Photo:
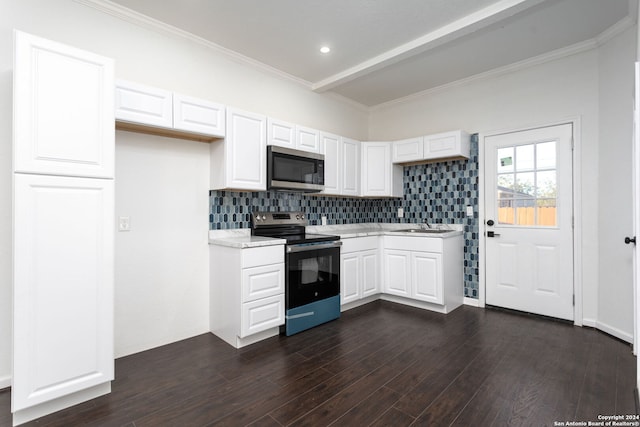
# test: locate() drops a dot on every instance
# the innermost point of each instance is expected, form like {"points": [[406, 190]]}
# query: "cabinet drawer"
{"points": [[410, 243], [262, 314], [198, 116], [254, 257], [357, 244], [261, 282], [142, 104]]}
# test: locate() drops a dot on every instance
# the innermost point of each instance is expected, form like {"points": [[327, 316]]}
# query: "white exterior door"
{"points": [[529, 213], [63, 292]]}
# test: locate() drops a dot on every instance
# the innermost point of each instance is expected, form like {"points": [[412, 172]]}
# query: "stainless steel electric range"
{"points": [[312, 266]]}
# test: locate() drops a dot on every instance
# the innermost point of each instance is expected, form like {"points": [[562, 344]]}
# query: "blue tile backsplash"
{"points": [[438, 192]]}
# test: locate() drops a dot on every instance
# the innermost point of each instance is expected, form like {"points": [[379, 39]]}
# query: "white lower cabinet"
{"points": [[63, 292], [424, 269], [247, 293], [359, 269]]}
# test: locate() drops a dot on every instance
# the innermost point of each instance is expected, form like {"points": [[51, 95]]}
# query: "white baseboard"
{"points": [[591, 323], [474, 302], [5, 382], [624, 336]]}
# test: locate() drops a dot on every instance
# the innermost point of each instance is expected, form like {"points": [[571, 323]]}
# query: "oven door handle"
{"points": [[312, 247]]}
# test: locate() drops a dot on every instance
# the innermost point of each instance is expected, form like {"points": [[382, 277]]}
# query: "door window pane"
{"points": [[546, 155], [505, 159], [527, 185], [525, 157]]}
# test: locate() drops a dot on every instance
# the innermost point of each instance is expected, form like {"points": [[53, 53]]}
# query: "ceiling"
{"points": [[382, 50]]}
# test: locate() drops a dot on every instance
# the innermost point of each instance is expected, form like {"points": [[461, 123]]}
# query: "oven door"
{"points": [[313, 273]]}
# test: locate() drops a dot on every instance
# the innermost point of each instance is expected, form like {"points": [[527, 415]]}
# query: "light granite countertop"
{"points": [[241, 238], [347, 231]]}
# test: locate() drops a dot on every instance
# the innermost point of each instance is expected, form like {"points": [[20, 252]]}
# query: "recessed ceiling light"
{"points": [[325, 49]]}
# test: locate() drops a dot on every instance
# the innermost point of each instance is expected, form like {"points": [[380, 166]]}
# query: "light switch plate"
{"points": [[324, 220], [469, 210], [400, 213], [124, 223]]}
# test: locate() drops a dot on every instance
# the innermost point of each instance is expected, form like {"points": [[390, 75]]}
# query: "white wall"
{"points": [[616, 85], [162, 264], [540, 94], [161, 286]]}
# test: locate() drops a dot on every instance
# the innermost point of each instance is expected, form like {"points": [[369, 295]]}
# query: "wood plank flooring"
{"points": [[382, 364]]}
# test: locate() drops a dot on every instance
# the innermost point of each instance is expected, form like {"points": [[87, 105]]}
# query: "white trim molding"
{"points": [[473, 302], [615, 332], [149, 23]]}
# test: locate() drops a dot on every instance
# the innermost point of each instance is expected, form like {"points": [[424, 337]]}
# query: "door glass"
{"points": [[527, 186]]}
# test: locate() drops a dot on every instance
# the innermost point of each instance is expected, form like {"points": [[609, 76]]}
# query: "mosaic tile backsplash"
{"points": [[438, 192]]}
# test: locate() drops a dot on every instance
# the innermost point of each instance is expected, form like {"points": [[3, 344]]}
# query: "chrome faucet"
{"points": [[423, 224]]}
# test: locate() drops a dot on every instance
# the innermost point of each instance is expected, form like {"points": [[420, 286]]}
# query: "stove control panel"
{"points": [[278, 218]]}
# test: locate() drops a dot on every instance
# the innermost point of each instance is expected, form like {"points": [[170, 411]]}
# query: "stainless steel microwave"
{"points": [[294, 170]]}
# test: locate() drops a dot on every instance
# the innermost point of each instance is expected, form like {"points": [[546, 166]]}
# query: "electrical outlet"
{"points": [[400, 213], [469, 210], [124, 223], [324, 220]]}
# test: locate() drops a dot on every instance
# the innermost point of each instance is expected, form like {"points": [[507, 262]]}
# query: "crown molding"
{"points": [[507, 69], [147, 22], [614, 30]]}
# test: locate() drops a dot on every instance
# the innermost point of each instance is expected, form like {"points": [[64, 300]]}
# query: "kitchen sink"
{"points": [[425, 231]]}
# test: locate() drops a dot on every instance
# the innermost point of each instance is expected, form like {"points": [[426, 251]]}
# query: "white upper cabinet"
{"points": [[289, 135], [332, 149], [308, 139], [281, 133], [141, 104], [63, 109], [350, 164], [447, 145], [408, 150], [441, 146], [198, 116], [380, 178], [239, 162], [139, 107], [341, 165]]}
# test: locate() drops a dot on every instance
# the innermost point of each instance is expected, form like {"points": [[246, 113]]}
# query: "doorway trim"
{"points": [[575, 121]]}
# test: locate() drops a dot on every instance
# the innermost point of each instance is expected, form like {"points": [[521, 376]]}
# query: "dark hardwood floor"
{"points": [[382, 364]]}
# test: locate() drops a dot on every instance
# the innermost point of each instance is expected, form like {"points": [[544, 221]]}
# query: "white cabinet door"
{"points": [[307, 139], [281, 133], [350, 277], [331, 145], [426, 275], [261, 282], [245, 151], [198, 116], [408, 150], [454, 144], [350, 167], [262, 314], [370, 273], [380, 177], [141, 104], [397, 272], [63, 109], [63, 287]]}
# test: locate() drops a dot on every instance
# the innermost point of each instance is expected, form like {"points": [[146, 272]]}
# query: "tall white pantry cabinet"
{"points": [[63, 202]]}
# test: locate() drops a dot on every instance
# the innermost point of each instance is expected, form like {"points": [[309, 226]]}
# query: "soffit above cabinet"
{"points": [[383, 50]]}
